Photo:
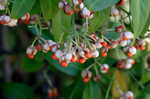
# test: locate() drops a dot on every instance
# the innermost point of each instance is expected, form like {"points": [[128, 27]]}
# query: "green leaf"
{"points": [[32, 65], [120, 83], [17, 91], [72, 70], [61, 26], [92, 91], [146, 25], [49, 8], [99, 19], [77, 90], [145, 76], [36, 9], [117, 54], [112, 35], [98, 5], [20, 7], [145, 93], [140, 12]]}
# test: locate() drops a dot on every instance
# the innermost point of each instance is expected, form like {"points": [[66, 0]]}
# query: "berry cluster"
{"points": [[127, 95], [88, 47], [76, 7], [125, 63], [87, 75], [7, 20]]}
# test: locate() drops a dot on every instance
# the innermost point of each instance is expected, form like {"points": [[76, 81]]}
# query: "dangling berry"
{"points": [[98, 45], [55, 92], [68, 10], [50, 93], [38, 47], [45, 47], [74, 59], [114, 44], [88, 54], [82, 53], [130, 61], [124, 43], [4, 19], [129, 95], [94, 37], [51, 43], [127, 35], [86, 76], [115, 12], [82, 60], [59, 54], [53, 48], [140, 45], [31, 52], [75, 2], [61, 5], [96, 78], [54, 57], [85, 13], [64, 63], [81, 6], [104, 52], [104, 68], [131, 51], [128, 66], [121, 64], [95, 53], [104, 44], [25, 19], [68, 56], [12, 23]]}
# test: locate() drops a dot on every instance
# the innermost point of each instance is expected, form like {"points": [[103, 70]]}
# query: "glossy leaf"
{"points": [[145, 77], [17, 91], [99, 19], [49, 8], [61, 26], [20, 7], [98, 5], [77, 90], [36, 9], [32, 65], [140, 13], [112, 35], [117, 54], [92, 91]]}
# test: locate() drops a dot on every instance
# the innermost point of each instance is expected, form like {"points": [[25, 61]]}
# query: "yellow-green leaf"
{"points": [[120, 84]]}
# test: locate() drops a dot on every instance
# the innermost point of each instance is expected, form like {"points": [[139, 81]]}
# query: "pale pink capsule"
{"points": [[104, 68]]}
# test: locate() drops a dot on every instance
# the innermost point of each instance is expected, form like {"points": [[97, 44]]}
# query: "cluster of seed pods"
{"points": [[87, 75], [80, 52], [76, 7], [8, 21], [125, 63], [74, 52]]}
